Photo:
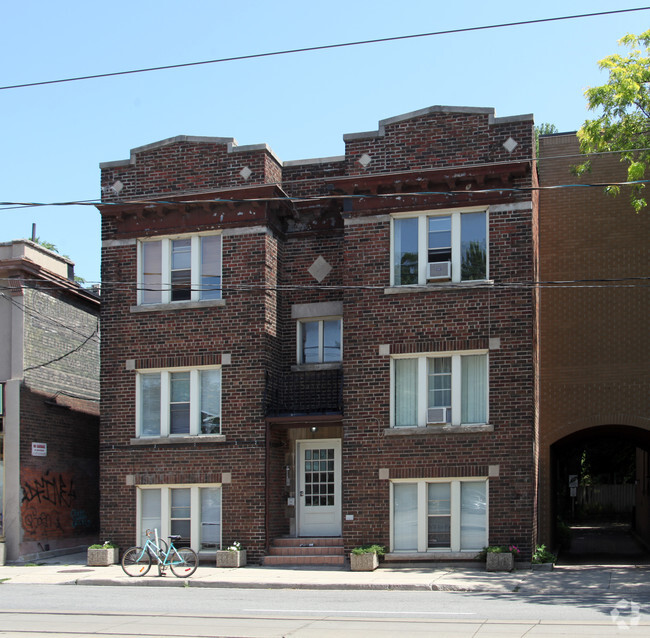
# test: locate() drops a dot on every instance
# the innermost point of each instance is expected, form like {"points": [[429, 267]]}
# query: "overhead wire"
{"points": [[323, 47]]}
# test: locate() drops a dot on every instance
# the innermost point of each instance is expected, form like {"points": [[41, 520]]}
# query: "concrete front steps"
{"points": [[305, 551]]}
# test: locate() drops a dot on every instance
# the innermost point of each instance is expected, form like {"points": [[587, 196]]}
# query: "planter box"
{"points": [[226, 558], [364, 562], [542, 567], [103, 557], [499, 562]]}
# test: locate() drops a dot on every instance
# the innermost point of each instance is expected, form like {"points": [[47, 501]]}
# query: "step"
{"points": [[306, 551], [323, 541], [303, 560]]}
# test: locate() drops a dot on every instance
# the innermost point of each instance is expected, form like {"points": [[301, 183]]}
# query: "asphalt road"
{"points": [[55, 611]]}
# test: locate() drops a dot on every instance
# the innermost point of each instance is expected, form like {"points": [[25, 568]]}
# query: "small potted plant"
{"points": [[103, 555], [366, 558], [232, 556], [543, 559], [499, 558]]}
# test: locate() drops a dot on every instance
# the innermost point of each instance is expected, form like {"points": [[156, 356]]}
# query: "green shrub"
{"points": [[542, 555], [380, 550], [105, 545]]}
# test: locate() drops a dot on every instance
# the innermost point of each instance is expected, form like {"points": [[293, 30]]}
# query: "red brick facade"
{"points": [[438, 159]]}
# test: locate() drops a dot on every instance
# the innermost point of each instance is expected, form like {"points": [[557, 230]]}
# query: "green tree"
{"points": [[543, 129], [624, 121]]}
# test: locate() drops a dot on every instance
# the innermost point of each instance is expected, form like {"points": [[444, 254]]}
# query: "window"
{"points": [[193, 512], [179, 269], [319, 341], [173, 402], [440, 389], [429, 516], [428, 247]]}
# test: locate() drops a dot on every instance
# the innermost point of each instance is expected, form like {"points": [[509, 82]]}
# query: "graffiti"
{"points": [[80, 519], [35, 523], [56, 490]]}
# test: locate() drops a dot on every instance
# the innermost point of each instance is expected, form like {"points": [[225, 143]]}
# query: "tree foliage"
{"points": [[624, 121]]}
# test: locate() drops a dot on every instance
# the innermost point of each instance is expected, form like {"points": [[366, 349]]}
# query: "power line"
{"points": [[323, 47], [63, 356], [315, 198]]}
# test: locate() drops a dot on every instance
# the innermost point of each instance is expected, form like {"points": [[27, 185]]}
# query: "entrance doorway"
{"points": [[318, 486]]}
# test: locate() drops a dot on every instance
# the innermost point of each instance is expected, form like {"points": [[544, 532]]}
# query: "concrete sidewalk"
{"points": [[620, 580]]}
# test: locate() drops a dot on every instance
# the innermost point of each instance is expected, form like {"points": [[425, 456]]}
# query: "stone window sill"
{"points": [[176, 439], [313, 367], [432, 430], [178, 305], [446, 285]]}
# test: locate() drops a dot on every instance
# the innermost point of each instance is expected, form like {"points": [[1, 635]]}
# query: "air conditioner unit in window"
{"points": [[439, 270], [436, 415]]}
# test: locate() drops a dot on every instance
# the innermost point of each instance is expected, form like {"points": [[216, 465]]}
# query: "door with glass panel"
{"points": [[319, 487]]}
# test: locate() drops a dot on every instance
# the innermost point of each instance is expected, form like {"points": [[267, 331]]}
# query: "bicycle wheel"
{"points": [[184, 562], [136, 562]]}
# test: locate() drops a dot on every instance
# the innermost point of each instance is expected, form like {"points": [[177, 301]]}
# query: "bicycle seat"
{"points": [[175, 537]]}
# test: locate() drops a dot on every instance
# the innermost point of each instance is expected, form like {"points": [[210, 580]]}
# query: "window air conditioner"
{"points": [[439, 270], [436, 415]]}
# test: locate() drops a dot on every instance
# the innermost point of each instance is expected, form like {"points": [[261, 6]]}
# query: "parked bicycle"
{"points": [[182, 561]]}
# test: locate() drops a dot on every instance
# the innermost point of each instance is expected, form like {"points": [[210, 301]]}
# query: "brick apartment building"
{"points": [[49, 422], [594, 375], [332, 351]]}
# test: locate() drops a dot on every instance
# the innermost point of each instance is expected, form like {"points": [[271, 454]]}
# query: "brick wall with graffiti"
{"points": [[59, 477]]}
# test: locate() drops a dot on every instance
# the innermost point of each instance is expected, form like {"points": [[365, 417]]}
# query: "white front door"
{"points": [[319, 487]]}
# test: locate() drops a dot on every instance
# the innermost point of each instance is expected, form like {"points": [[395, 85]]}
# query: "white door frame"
{"points": [[323, 520]]}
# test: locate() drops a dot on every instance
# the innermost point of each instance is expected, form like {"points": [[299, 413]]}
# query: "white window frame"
{"points": [[165, 513], [166, 257], [165, 402], [423, 237], [422, 390], [320, 321], [455, 516]]}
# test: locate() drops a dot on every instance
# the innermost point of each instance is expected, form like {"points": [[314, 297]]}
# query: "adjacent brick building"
{"points": [[594, 376], [49, 425], [335, 348]]}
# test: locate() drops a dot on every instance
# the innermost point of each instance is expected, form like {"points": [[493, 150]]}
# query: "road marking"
{"points": [[360, 611]]}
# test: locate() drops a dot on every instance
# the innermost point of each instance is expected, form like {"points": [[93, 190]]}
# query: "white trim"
{"points": [[165, 511], [455, 514], [422, 387], [455, 215], [165, 398]]}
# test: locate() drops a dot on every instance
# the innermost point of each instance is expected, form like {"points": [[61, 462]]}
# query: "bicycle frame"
{"points": [[183, 561]]}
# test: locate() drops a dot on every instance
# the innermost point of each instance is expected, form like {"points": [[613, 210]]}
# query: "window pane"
{"points": [[180, 270], [406, 392], [473, 520], [151, 272], [405, 251], [439, 532], [405, 516], [150, 512], [1, 480], [310, 351], [439, 382], [332, 340], [210, 401], [439, 239], [180, 515], [210, 518], [473, 246], [179, 408], [474, 389], [211, 267], [439, 498], [150, 404]]}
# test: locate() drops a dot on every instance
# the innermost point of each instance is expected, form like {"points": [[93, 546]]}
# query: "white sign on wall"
{"points": [[39, 449]]}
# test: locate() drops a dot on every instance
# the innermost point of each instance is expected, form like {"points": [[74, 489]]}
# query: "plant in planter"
{"points": [[542, 558], [232, 556], [366, 557], [498, 558], [103, 555]]}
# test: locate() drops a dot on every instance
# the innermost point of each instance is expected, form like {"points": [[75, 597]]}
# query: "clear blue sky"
{"points": [[54, 137]]}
